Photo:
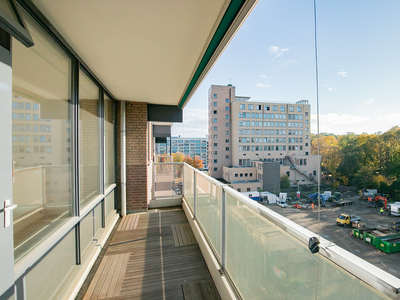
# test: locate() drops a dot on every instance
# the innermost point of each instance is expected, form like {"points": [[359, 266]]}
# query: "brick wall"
{"points": [[136, 156]]}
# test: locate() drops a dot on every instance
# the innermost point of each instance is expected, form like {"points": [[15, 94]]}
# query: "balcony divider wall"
{"points": [[64, 135]]}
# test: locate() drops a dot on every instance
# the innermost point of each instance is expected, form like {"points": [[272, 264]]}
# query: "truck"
{"points": [[335, 196], [364, 194], [345, 220], [341, 202], [394, 209]]}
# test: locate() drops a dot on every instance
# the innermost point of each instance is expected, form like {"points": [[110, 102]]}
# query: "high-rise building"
{"points": [[242, 132], [188, 146]]}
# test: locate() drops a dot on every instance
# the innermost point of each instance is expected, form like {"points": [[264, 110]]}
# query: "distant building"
{"points": [[187, 146], [243, 132]]}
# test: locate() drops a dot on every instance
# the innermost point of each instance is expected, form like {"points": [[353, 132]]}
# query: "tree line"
{"points": [[195, 162], [364, 160]]}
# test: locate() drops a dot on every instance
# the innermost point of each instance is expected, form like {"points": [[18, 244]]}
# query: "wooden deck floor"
{"points": [[152, 256]]}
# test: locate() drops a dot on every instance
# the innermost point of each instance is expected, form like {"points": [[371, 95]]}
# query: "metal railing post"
{"points": [[183, 180], [223, 228], [194, 195], [153, 186], [44, 200]]}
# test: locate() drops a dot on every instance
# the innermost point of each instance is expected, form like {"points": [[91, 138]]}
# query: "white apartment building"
{"points": [[188, 146], [242, 132]]}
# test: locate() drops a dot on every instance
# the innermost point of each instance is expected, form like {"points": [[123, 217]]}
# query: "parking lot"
{"points": [[341, 235]]}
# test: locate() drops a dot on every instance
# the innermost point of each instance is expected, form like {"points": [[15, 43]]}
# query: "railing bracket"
{"points": [[221, 272], [313, 243]]}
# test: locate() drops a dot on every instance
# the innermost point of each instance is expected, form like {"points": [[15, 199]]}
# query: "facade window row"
{"points": [[295, 147], [26, 106], [243, 175], [295, 124], [268, 124], [262, 148], [295, 132], [28, 149], [268, 107], [247, 115], [263, 140], [29, 127], [298, 108], [265, 132]]}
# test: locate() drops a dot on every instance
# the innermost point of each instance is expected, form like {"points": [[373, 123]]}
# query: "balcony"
{"points": [[250, 251]]}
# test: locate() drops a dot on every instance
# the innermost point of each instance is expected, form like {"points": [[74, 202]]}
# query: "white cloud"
{"points": [[368, 101], [343, 123], [340, 123], [342, 73], [263, 85], [288, 63], [332, 89], [277, 50], [263, 76], [195, 124], [390, 118]]}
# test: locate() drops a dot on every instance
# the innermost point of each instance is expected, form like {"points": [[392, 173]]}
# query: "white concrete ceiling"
{"points": [[142, 50]]}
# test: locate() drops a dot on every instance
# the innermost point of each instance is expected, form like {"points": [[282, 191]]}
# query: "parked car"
{"points": [[281, 203]]}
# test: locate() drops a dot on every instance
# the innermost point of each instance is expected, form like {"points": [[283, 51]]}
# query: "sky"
{"points": [[272, 58]]}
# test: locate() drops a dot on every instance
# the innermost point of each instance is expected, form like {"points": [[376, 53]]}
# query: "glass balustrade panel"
{"points": [[168, 180], [208, 211], [188, 185]]}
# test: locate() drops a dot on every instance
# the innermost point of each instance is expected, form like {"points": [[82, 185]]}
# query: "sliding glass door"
{"points": [[6, 228]]}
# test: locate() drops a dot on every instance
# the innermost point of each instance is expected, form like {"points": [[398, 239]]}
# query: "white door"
{"points": [[6, 226]]}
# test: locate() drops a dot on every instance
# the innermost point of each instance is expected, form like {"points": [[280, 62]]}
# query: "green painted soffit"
{"points": [[229, 16]]}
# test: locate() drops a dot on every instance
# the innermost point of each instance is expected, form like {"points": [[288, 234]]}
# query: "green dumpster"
{"points": [[356, 232], [381, 245], [395, 246], [389, 244], [369, 238]]}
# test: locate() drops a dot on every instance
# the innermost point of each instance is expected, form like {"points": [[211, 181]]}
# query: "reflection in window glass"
{"points": [[89, 125], [42, 187], [109, 122], [45, 278]]}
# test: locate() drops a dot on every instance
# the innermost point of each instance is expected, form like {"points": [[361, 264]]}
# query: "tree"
{"points": [[195, 163], [198, 163], [285, 182], [178, 156], [329, 151], [350, 164]]}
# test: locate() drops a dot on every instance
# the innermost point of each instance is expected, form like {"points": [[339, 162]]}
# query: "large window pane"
{"points": [[109, 123], [97, 217], [87, 242], [43, 185], [45, 278], [110, 206], [89, 133]]}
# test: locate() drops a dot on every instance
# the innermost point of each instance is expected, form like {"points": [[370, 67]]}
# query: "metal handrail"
{"points": [[366, 272]]}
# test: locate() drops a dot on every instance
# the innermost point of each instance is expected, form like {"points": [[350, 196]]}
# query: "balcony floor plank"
{"points": [[153, 256]]}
